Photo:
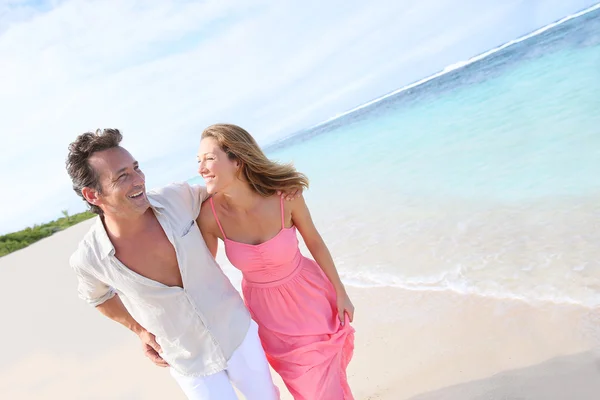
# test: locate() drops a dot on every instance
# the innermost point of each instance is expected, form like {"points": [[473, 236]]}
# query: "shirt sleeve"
{"points": [[90, 288], [182, 196], [199, 194]]}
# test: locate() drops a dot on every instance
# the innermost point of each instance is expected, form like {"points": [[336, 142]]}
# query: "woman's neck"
{"points": [[240, 196]]}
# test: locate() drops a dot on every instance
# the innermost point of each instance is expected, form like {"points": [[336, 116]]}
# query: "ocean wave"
{"points": [[456, 282], [459, 64]]}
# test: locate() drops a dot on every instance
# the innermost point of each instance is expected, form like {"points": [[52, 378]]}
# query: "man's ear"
{"points": [[91, 195]]}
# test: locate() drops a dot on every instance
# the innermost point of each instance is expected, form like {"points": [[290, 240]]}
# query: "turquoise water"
{"points": [[483, 180], [521, 124]]}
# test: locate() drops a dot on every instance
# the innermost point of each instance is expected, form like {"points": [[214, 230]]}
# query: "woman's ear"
{"points": [[239, 167]]}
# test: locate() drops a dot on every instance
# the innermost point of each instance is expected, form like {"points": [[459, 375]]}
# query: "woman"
{"points": [[301, 306]]}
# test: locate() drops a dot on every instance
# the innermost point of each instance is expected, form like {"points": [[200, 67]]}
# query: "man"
{"points": [[145, 265]]}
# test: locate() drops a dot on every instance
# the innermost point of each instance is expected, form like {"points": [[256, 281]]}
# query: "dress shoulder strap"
{"points": [[282, 211], [212, 206]]}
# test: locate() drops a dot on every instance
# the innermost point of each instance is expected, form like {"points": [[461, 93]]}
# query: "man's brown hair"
{"points": [[78, 166]]}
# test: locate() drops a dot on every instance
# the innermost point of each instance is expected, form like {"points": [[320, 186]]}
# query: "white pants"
{"points": [[247, 369]]}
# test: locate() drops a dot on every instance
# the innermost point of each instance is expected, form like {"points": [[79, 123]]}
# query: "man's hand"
{"points": [[114, 309], [152, 349], [291, 194]]}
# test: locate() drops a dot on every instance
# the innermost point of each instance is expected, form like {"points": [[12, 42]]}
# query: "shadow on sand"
{"points": [[574, 377]]}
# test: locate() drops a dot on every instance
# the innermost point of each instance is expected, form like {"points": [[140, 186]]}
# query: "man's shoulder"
{"points": [[173, 189], [172, 196], [87, 253], [178, 196]]}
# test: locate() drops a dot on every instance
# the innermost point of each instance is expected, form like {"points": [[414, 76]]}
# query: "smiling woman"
{"points": [[300, 304], [235, 144]]}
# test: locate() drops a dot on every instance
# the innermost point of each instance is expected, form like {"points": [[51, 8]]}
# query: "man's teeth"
{"points": [[136, 195]]}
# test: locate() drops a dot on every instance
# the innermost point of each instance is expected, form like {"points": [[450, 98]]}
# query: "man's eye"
{"points": [[123, 176]]}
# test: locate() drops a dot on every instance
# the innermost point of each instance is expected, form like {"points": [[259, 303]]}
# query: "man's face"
{"points": [[123, 183]]}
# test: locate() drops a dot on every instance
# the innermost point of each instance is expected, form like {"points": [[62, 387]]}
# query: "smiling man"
{"points": [[145, 265]]}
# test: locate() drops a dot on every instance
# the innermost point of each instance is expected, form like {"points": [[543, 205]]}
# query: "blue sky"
{"points": [[163, 70]]}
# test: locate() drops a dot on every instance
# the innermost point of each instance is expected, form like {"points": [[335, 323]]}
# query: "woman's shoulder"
{"points": [[291, 206], [290, 203], [206, 218]]}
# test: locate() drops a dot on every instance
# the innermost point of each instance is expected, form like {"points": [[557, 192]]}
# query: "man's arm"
{"points": [[104, 298], [199, 195], [114, 309]]}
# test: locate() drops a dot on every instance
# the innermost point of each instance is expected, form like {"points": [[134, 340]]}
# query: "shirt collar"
{"points": [[101, 237]]}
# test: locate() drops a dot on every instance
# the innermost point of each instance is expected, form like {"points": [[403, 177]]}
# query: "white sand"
{"points": [[568, 377], [407, 343]]}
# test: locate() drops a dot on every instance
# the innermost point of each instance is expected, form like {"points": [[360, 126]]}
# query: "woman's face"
{"points": [[215, 167]]}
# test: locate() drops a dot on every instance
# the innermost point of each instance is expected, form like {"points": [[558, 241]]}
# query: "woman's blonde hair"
{"points": [[265, 177]]}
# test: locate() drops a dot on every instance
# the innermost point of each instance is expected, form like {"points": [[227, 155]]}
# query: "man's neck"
{"points": [[119, 227]]}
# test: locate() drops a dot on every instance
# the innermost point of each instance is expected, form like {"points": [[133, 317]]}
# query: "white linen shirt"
{"points": [[197, 327]]}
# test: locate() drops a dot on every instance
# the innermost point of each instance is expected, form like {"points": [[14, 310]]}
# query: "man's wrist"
{"points": [[136, 328]]}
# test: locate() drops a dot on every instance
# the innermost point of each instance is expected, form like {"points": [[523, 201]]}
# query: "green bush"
{"points": [[18, 240]]}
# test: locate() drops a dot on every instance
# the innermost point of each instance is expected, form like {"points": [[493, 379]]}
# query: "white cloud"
{"points": [[163, 70]]}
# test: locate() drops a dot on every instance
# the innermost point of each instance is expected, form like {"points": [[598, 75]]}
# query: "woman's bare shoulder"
{"points": [[206, 219]]}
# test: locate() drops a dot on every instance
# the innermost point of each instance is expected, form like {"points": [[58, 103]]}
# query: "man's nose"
{"points": [[139, 179]]}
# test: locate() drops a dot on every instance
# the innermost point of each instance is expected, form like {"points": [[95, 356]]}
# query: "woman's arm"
{"points": [[317, 247], [207, 224]]}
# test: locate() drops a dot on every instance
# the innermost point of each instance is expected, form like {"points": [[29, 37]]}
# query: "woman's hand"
{"points": [[344, 306], [291, 194]]}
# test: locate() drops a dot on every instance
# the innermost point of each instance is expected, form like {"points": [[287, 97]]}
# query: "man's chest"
{"points": [[152, 256]]}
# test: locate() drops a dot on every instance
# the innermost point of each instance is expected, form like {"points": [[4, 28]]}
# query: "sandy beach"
{"points": [[424, 345]]}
